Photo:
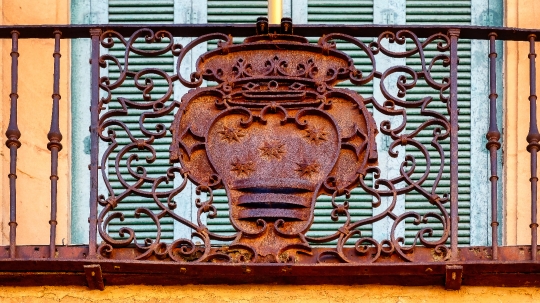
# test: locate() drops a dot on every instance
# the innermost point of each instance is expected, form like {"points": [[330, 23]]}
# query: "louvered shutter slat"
{"points": [[344, 12], [455, 13], [128, 11]]}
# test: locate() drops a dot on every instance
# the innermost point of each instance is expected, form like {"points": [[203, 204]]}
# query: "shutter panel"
{"points": [[319, 11], [147, 11], [220, 11], [141, 11], [344, 12], [340, 11], [457, 12], [236, 11]]}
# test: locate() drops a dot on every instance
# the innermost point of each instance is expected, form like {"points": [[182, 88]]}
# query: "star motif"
{"points": [[316, 135], [274, 149], [242, 169], [306, 169], [231, 133]]}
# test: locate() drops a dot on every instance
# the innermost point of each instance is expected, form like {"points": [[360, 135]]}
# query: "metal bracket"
{"points": [[94, 277], [454, 274]]}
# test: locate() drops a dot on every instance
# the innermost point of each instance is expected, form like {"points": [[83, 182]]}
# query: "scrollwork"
{"points": [[135, 144], [397, 105]]}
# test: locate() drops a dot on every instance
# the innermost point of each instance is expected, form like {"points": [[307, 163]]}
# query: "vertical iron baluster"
{"points": [[54, 144], [94, 148], [533, 138], [454, 219], [13, 134], [493, 136]]}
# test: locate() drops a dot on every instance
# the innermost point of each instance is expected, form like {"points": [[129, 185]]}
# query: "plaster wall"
{"points": [[269, 293], [35, 87], [35, 107], [524, 14]]}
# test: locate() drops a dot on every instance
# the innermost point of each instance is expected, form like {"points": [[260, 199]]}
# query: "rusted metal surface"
{"points": [[422, 255], [54, 145], [533, 138], [94, 276], [513, 268], [454, 275], [493, 136], [454, 127], [13, 134], [275, 133], [94, 142], [74, 31]]}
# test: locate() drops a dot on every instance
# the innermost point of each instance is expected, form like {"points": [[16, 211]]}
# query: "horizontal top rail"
{"points": [[71, 31]]}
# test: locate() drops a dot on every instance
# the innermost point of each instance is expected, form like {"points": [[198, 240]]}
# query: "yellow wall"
{"points": [[35, 103], [263, 294], [524, 14], [33, 170]]}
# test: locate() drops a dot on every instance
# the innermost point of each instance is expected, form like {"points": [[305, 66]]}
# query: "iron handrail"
{"points": [[73, 31]]}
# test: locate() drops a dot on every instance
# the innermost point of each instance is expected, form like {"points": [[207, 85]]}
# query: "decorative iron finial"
{"points": [[286, 26], [262, 26]]}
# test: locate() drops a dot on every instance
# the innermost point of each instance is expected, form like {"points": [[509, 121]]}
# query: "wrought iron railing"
{"points": [[276, 132]]}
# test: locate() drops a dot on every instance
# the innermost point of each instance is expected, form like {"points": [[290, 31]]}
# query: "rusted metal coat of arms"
{"points": [[275, 133]]}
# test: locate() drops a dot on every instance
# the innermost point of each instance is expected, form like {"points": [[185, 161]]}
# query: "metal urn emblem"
{"points": [[275, 133]]}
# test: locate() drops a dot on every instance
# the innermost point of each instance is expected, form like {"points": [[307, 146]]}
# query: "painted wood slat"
{"points": [[343, 12], [122, 11], [454, 12]]}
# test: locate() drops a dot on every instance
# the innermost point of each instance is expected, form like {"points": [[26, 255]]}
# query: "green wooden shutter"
{"points": [[236, 11], [457, 12], [343, 12], [319, 11], [417, 12], [142, 11], [220, 11], [340, 11]]}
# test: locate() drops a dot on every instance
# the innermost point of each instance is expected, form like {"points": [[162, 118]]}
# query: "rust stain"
{"points": [[275, 136]]}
